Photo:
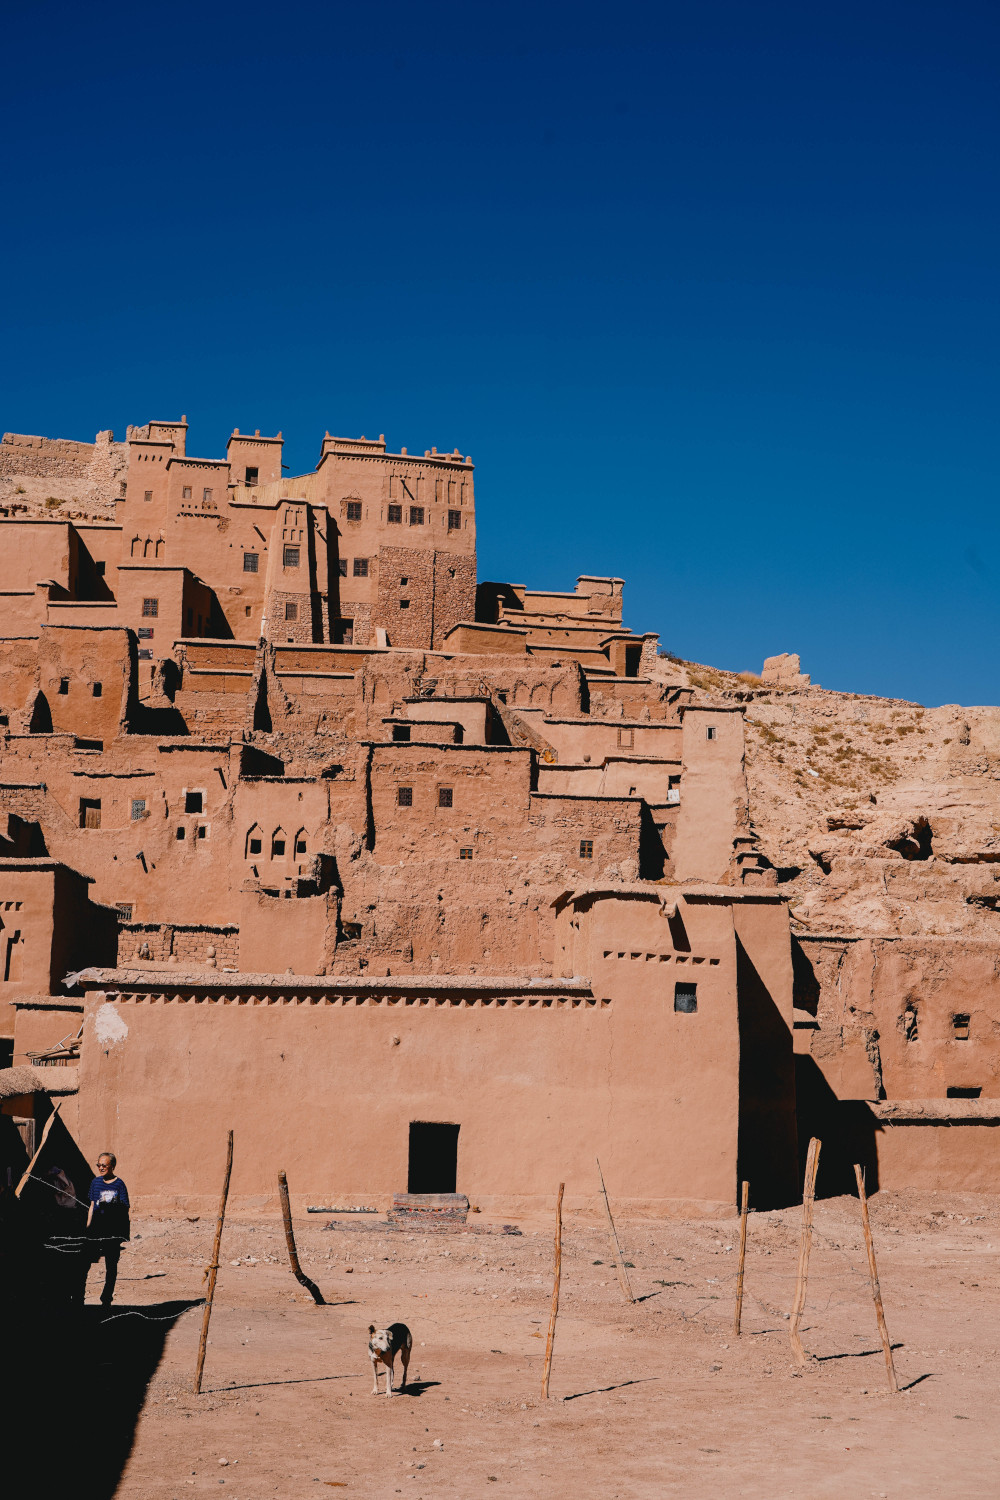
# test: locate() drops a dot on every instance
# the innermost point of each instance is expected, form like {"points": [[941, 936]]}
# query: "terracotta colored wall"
{"points": [[713, 793]]}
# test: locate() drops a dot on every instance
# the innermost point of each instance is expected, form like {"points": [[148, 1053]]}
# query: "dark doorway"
{"points": [[433, 1158]]}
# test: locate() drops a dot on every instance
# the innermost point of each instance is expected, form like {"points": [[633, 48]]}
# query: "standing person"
{"points": [[108, 1220]]}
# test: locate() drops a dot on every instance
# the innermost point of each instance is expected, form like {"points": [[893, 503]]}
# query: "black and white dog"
{"points": [[383, 1346]]}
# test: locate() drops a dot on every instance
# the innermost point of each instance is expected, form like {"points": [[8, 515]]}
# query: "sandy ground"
{"points": [[656, 1399]]}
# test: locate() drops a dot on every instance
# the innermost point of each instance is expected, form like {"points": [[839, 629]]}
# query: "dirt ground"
{"points": [[655, 1399]]}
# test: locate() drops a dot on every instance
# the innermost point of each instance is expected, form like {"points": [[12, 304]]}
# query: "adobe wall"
{"points": [[329, 1082]]}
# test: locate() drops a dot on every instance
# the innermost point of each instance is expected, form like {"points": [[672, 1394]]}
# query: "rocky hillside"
{"points": [[880, 816]]}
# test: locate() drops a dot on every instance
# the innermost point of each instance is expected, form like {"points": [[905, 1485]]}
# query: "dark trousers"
{"points": [[110, 1253]]}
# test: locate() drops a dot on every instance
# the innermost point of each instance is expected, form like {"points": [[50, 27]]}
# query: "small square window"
{"points": [[404, 796], [90, 812], [960, 1027], [404, 603], [710, 732], [255, 846], [278, 849], [964, 1093], [342, 567], [252, 476], [465, 853], [202, 831], [445, 796], [194, 802], [138, 808], [343, 632], [354, 510], [300, 846], [395, 515], [150, 608], [416, 515], [186, 492], [100, 565], [586, 848], [251, 562], [206, 496], [97, 688], [148, 495], [686, 998], [403, 582], [454, 520], [290, 557], [145, 632], [361, 567], [64, 685], [124, 909], [181, 833], [401, 734], [291, 610]]}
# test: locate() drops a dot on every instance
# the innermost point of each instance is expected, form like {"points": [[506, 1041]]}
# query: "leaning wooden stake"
{"points": [[808, 1199], [619, 1259], [555, 1297], [293, 1254], [212, 1270], [45, 1135], [890, 1368], [744, 1206]]}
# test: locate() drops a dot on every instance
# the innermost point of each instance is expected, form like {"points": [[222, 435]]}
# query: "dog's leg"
{"points": [[374, 1374], [388, 1372], [404, 1355]]}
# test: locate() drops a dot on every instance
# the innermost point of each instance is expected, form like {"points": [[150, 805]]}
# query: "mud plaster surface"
{"points": [[658, 1399]]}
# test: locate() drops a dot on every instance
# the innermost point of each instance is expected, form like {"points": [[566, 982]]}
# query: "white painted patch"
{"points": [[109, 1028]]}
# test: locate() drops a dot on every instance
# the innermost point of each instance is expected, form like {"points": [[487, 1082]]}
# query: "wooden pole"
{"points": [[293, 1254], [555, 1296], [890, 1368], [212, 1271], [808, 1199], [45, 1135], [744, 1208], [619, 1259]]}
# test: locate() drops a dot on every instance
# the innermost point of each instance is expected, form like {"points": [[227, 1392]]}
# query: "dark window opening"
{"points": [[404, 796], [194, 802], [151, 609], [960, 1027], [100, 566], [401, 734], [964, 1093], [686, 998], [454, 520], [416, 515], [64, 685], [182, 832], [202, 831], [633, 660], [342, 567], [291, 611], [278, 849], [354, 510], [300, 846], [465, 853], [444, 796], [404, 603], [97, 689], [255, 846], [350, 931], [586, 848], [917, 843], [90, 812], [290, 557], [343, 633], [251, 562], [252, 476], [710, 732], [433, 1165], [361, 567], [395, 515], [403, 582]]}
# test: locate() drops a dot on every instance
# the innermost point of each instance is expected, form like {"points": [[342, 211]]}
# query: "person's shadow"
{"points": [[82, 1377]]}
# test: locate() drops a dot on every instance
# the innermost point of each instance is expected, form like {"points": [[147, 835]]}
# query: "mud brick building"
{"points": [[411, 878]]}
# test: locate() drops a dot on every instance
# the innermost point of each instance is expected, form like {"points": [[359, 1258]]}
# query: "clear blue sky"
{"points": [[708, 291]]}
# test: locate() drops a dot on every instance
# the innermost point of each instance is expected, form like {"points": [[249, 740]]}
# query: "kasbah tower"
{"points": [[423, 884]]}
